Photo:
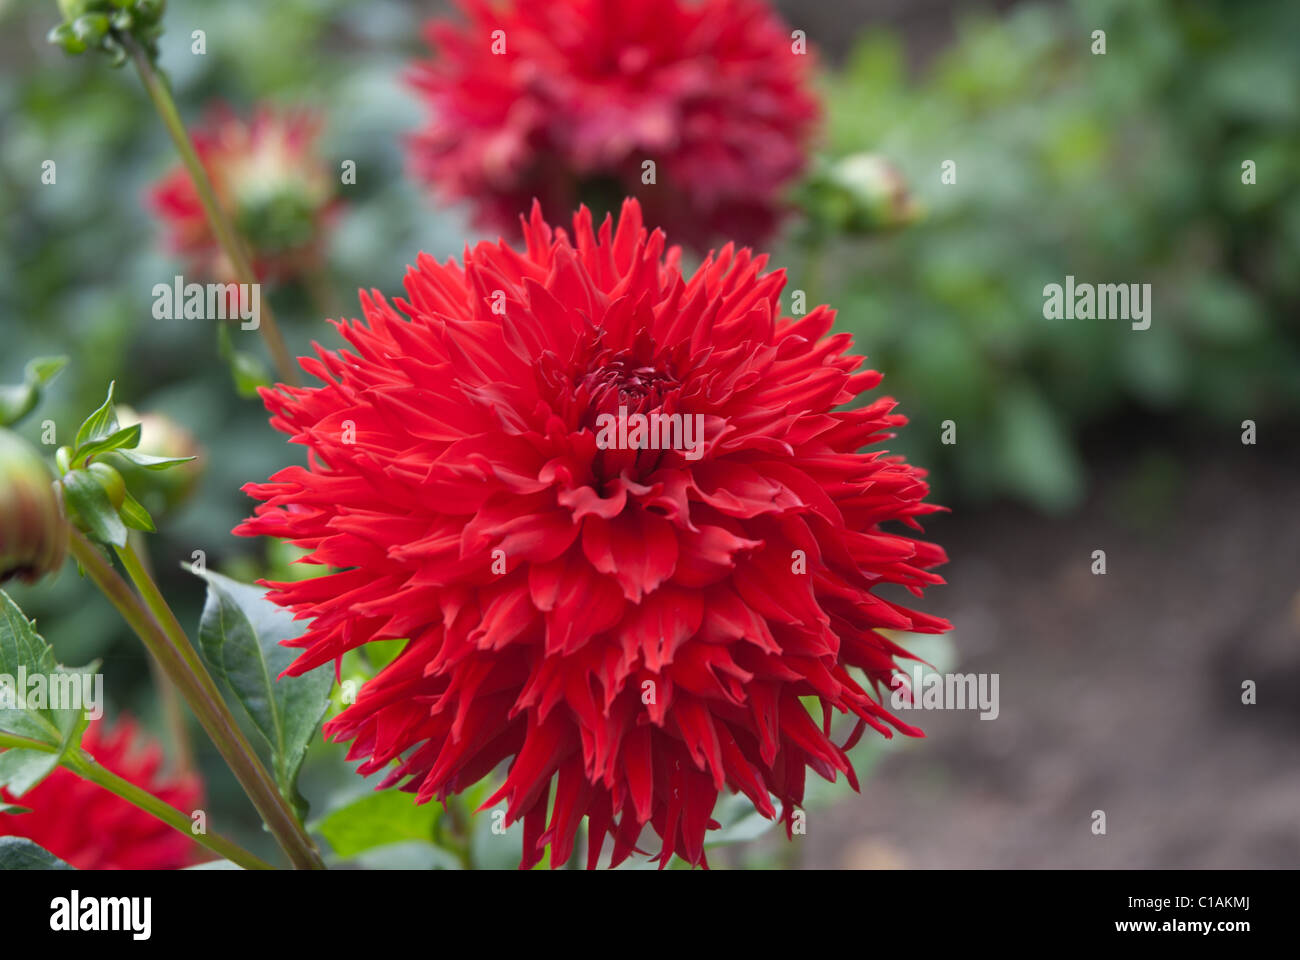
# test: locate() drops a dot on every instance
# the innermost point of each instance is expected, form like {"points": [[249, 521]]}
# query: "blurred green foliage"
{"points": [[79, 258], [1117, 168]]}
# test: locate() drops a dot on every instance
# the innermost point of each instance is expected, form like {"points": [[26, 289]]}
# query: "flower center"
{"points": [[622, 381]]}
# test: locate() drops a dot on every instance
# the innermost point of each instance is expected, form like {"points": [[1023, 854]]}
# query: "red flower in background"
{"points": [[587, 90], [269, 180], [93, 829], [636, 625]]}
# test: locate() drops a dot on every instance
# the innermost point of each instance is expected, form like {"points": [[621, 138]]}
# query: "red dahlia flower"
{"points": [[268, 179], [565, 101], [636, 625], [93, 829]]}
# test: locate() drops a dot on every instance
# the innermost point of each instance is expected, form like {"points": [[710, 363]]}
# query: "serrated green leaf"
{"points": [[122, 439], [19, 853], [82, 493], [24, 653], [150, 462], [20, 770], [378, 819], [135, 516], [100, 424], [240, 634]]}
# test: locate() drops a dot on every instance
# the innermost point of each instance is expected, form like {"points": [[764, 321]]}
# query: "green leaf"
{"points": [[150, 462], [19, 853], [13, 808], [16, 401], [100, 424], [411, 855], [136, 516], [240, 634], [41, 370], [121, 439], [83, 494], [378, 819], [33, 712], [20, 770], [248, 371]]}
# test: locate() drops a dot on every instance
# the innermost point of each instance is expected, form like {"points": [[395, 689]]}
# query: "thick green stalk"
{"points": [[85, 766], [173, 714], [227, 237], [155, 624]]}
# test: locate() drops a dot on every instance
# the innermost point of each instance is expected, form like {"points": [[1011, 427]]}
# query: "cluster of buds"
{"points": [[115, 452], [110, 26], [95, 495]]}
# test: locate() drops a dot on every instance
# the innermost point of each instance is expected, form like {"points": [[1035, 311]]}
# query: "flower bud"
{"points": [[33, 532], [112, 482], [860, 194]]}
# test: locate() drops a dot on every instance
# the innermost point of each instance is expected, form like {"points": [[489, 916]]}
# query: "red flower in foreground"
{"points": [[268, 179], [93, 829], [637, 625], [565, 101]]}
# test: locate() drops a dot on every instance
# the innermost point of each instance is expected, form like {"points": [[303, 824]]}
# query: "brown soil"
{"points": [[1119, 693]]}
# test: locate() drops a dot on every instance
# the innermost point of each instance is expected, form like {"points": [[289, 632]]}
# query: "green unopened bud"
{"points": [[63, 36], [111, 481], [90, 29], [150, 11], [71, 9], [860, 194], [108, 25], [33, 532]]}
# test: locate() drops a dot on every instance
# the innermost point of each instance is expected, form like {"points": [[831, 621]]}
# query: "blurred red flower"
{"points": [[636, 624], [93, 829], [565, 101], [268, 178]]}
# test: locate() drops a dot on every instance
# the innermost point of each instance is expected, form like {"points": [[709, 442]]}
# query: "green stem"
{"points": [[227, 237], [155, 624], [173, 715], [86, 767]]}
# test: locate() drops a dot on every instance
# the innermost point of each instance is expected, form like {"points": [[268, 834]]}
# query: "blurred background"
{"points": [[1120, 692]]}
